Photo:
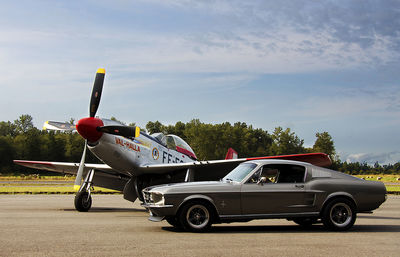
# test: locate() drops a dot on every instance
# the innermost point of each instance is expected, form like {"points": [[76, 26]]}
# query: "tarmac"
{"points": [[48, 225]]}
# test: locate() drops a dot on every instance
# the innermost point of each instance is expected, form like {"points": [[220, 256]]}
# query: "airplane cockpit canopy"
{"points": [[175, 143]]}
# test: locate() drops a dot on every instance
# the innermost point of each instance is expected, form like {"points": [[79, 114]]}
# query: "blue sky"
{"points": [[312, 66]]}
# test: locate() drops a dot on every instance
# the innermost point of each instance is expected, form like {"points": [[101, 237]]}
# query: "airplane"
{"points": [[133, 160]]}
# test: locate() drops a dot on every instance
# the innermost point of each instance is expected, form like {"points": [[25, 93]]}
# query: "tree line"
{"points": [[21, 140]]}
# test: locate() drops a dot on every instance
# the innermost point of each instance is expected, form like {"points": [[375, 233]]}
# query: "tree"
{"points": [[324, 144], [24, 123], [154, 127], [286, 142], [7, 129], [6, 153]]}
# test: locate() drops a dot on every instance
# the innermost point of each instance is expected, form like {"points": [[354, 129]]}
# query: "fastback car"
{"points": [[262, 189]]}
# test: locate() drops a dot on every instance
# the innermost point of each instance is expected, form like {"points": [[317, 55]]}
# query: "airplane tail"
{"points": [[231, 154]]}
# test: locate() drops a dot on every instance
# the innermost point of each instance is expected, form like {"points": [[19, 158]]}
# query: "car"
{"points": [[264, 189]]}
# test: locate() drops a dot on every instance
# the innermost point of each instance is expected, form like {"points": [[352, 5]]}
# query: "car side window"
{"points": [[291, 173], [269, 173]]}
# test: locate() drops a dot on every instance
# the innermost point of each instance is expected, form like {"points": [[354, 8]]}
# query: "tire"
{"points": [[196, 216], [305, 222], [339, 214], [83, 201]]}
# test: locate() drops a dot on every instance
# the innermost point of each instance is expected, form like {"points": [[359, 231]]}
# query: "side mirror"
{"points": [[261, 181]]}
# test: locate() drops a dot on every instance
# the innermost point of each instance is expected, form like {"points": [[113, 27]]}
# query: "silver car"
{"points": [[297, 191]]}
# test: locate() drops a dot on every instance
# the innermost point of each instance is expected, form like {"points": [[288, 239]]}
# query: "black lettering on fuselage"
{"points": [[164, 154], [168, 158]]}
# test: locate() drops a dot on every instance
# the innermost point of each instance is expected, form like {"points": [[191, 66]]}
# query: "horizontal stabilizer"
{"points": [[58, 126]]}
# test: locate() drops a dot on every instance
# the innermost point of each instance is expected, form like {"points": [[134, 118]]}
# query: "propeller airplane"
{"points": [[133, 159]]}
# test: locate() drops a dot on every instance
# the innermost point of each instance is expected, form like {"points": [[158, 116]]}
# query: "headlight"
{"points": [[157, 198]]}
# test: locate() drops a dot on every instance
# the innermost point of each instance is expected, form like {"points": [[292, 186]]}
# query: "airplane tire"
{"points": [[83, 201]]}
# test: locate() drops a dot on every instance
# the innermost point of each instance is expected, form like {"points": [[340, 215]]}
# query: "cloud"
{"points": [[371, 158], [234, 36]]}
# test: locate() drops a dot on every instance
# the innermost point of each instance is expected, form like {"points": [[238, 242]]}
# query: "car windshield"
{"points": [[240, 172]]}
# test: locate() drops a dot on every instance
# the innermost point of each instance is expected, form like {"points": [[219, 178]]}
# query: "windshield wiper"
{"points": [[229, 179]]}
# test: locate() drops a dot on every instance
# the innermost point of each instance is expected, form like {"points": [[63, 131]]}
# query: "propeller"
{"points": [[96, 91], [78, 179], [85, 125], [92, 128]]}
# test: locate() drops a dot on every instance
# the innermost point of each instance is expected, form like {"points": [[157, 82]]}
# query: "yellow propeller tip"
{"points": [[76, 188], [101, 70]]}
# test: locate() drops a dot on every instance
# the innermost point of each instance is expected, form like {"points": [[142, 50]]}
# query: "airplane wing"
{"points": [[214, 170], [62, 167], [104, 176]]}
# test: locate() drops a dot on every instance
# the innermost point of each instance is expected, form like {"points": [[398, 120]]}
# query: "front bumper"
{"points": [[159, 212]]}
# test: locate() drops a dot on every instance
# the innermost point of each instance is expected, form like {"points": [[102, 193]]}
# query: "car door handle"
{"points": [[299, 186]]}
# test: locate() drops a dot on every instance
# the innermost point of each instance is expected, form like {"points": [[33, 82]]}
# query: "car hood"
{"points": [[193, 187]]}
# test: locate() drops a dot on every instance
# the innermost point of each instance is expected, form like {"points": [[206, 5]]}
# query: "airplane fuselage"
{"points": [[128, 155]]}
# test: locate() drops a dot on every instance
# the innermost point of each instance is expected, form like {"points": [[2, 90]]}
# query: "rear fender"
{"points": [[338, 195]]}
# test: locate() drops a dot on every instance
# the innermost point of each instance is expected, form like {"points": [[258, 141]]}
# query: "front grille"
{"points": [[147, 198]]}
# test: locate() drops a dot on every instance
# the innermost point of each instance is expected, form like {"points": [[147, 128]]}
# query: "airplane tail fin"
{"points": [[231, 154]]}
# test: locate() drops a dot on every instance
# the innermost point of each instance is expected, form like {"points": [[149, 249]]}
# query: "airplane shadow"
{"points": [[105, 209], [291, 229]]}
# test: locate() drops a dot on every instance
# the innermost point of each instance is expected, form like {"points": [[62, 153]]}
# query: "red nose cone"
{"points": [[87, 128]]}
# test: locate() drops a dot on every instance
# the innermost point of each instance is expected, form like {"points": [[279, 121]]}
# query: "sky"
{"points": [[312, 66]]}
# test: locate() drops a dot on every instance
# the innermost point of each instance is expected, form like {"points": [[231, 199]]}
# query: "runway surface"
{"points": [[48, 225]]}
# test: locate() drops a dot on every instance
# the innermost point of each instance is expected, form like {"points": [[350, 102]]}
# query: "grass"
{"points": [[393, 188], [384, 178], [35, 184], [50, 190], [37, 178]]}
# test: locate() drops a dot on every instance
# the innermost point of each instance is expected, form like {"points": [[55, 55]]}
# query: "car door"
{"points": [[284, 194]]}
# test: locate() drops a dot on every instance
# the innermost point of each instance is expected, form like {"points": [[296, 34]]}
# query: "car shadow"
{"points": [[291, 229], [106, 209], [378, 217]]}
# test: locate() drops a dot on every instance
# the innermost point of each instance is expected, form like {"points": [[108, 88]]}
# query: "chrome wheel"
{"points": [[198, 216]]}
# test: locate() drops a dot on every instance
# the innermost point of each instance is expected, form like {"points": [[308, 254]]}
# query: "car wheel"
{"points": [[339, 215], [196, 217], [83, 201], [305, 222]]}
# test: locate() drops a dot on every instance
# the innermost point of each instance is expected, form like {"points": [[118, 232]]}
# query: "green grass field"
{"points": [[50, 190], [384, 178], [64, 184]]}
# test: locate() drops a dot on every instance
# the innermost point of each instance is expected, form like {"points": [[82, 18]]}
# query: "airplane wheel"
{"points": [[83, 201], [196, 217]]}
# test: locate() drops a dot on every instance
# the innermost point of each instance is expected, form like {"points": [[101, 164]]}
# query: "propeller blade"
{"points": [[59, 126], [78, 179], [96, 92], [125, 131]]}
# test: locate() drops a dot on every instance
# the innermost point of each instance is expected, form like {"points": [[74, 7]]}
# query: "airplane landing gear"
{"points": [[83, 199]]}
